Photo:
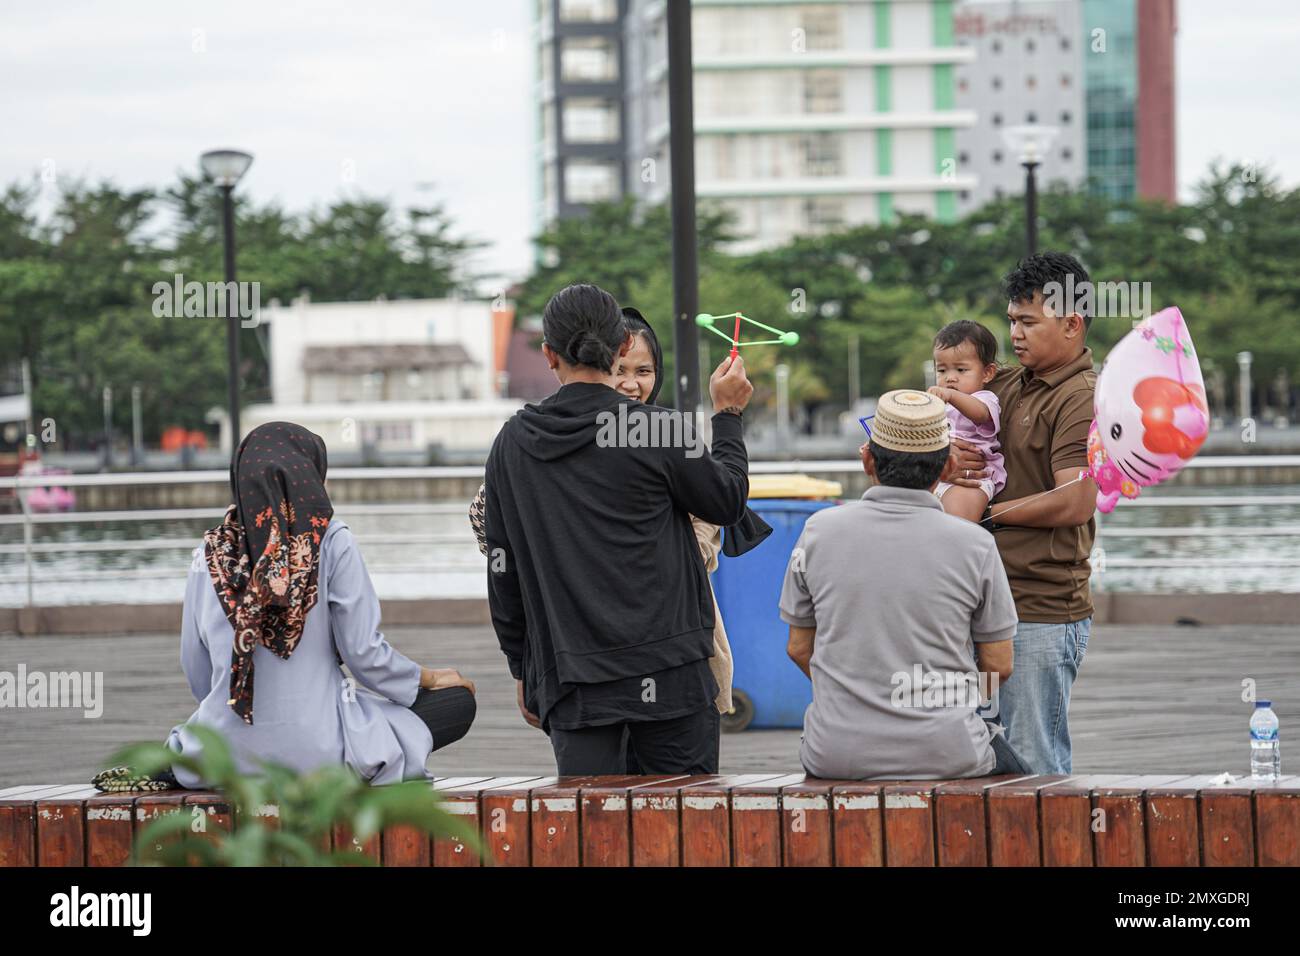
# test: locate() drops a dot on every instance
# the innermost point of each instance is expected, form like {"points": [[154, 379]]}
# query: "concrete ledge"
{"points": [[1265, 608], [166, 618]]}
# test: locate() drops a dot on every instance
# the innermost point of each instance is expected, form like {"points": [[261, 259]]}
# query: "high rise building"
{"points": [[808, 116], [1099, 72]]}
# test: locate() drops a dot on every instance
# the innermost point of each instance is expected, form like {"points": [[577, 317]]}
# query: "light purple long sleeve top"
{"points": [[307, 713]]}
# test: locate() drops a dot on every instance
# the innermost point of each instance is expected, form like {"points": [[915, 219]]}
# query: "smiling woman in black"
{"points": [[598, 594]]}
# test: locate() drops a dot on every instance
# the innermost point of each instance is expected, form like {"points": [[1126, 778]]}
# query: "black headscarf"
{"points": [[750, 531], [265, 555]]}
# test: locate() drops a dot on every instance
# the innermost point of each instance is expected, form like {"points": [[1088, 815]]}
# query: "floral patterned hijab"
{"points": [[265, 554]]}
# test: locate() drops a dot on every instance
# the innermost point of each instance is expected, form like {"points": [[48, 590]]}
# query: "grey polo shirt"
{"points": [[899, 592]]}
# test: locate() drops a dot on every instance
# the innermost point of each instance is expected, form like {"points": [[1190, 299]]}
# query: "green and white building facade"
{"points": [[808, 116]]}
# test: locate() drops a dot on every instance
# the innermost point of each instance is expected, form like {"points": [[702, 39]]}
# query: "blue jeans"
{"points": [[1034, 703]]}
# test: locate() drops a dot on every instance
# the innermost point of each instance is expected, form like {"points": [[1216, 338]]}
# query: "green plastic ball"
{"points": [[789, 338], [704, 319]]}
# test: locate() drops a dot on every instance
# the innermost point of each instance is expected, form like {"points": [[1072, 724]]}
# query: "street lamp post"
{"points": [[681, 153], [226, 167], [1030, 143]]}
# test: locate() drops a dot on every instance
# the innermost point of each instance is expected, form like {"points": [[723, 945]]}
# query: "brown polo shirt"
{"points": [[1045, 421]]}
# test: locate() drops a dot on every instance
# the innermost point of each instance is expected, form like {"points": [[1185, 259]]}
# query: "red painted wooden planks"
{"points": [[1119, 820], [61, 828], [1277, 823], [1227, 823], [960, 828], [1013, 828], [460, 798], [467, 802], [909, 822], [657, 819], [807, 824], [1068, 818], [606, 811], [110, 828], [18, 821], [153, 806], [756, 821], [706, 818], [556, 826], [507, 822], [1172, 813], [212, 814], [858, 827]]}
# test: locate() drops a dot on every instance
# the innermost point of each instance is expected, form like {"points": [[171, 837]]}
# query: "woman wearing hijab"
{"points": [[600, 601], [277, 598]]}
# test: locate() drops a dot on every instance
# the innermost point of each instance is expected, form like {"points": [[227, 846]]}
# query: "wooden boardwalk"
{"points": [[1148, 700]]}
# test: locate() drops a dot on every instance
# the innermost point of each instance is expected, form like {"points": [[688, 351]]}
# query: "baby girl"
{"points": [[965, 360]]}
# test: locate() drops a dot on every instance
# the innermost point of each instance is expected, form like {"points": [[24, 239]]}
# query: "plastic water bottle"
{"points": [[1265, 751]]}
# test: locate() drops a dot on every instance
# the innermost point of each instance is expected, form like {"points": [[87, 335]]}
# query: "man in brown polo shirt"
{"points": [[1044, 539]]}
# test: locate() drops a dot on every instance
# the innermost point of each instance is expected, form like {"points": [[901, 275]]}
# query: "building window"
{"points": [[823, 212], [1065, 117], [996, 46], [1030, 82], [997, 82], [998, 192], [588, 60], [1031, 117], [1030, 46], [590, 181], [724, 157], [822, 90], [997, 156], [590, 120], [1065, 81], [1065, 43], [963, 157], [997, 119], [1067, 153], [962, 85], [821, 155], [588, 11], [821, 27], [964, 195]]}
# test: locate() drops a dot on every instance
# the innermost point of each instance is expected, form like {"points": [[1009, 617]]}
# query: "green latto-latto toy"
{"points": [[704, 320]]}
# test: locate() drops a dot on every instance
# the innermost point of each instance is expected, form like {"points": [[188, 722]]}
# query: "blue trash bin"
{"points": [[768, 689]]}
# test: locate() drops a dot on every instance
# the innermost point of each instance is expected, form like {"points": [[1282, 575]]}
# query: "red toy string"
{"points": [[735, 338]]}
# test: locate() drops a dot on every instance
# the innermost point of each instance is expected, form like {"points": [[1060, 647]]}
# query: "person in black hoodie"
{"points": [[597, 591]]}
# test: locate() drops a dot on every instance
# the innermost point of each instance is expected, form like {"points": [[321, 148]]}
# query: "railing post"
{"points": [[27, 543]]}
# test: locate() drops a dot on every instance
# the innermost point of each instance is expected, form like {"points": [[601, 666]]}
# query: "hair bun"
{"points": [[588, 349]]}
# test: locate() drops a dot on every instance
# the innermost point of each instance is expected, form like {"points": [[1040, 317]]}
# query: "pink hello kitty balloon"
{"points": [[1150, 415]]}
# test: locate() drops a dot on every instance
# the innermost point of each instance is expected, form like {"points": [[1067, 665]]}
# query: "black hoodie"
{"points": [[594, 573]]}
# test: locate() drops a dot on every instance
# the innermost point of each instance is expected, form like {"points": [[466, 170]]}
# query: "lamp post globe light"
{"points": [[1030, 143], [226, 167]]}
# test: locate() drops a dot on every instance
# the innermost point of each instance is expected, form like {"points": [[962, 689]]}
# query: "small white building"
{"points": [[398, 376]]}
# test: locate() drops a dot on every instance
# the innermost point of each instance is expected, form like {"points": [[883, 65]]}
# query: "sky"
{"points": [[433, 101]]}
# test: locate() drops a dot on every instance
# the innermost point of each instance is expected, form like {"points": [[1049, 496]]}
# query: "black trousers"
{"points": [[682, 745], [447, 712]]}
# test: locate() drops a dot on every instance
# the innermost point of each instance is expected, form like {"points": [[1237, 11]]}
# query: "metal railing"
{"points": [[30, 549]]}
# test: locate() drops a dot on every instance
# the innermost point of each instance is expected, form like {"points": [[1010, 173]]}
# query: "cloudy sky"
{"points": [[422, 100]]}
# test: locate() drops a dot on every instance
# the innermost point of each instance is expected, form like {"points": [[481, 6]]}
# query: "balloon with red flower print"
{"points": [[1150, 413]]}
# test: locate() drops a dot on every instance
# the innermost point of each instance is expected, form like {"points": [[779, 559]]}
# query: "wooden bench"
{"points": [[757, 819]]}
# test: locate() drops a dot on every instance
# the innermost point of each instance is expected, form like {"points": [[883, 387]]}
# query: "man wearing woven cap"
{"points": [[888, 593]]}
